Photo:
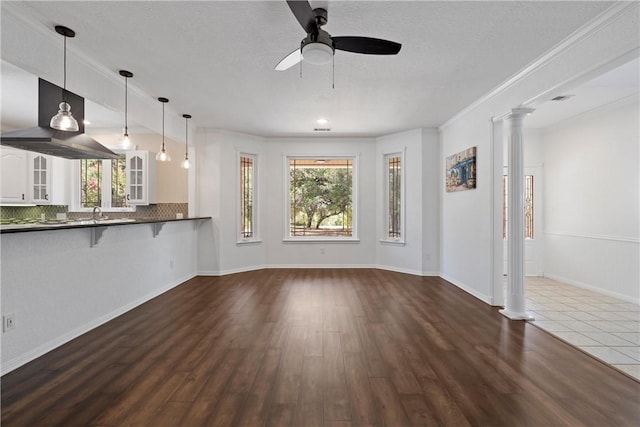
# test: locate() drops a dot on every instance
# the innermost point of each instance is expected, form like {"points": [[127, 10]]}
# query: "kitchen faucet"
{"points": [[98, 211]]}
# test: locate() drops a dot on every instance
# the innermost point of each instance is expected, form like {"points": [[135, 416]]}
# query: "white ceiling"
{"points": [[615, 85], [215, 59]]}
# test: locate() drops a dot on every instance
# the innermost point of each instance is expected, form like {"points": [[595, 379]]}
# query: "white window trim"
{"points": [[355, 160], [385, 199], [255, 239], [76, 205]]}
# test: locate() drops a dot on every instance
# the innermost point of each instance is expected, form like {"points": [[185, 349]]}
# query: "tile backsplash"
{"points": [[158, 211]]}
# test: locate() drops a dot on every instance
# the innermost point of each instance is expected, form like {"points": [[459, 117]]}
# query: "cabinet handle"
{"points": [[128, 198], [22, 196], [46, 197]]}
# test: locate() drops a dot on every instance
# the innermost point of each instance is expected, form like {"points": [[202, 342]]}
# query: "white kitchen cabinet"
{"points": [[39, 176], [47, 179], [14, 176], [141, 178]]}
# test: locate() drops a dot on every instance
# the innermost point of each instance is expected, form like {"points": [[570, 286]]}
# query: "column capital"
{"points": [[520, 112]]}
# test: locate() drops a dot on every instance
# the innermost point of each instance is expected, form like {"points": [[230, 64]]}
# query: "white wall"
{"points": [[408, 256], [591, 200], [419, 254], [91, 285], [431, 202], [219, 251], [217, 187], [300, 254], [467, 235]]}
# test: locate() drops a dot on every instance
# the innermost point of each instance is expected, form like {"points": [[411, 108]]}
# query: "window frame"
{"points": [[76, 181], [385, 198], [355, 162], [240, 240]]}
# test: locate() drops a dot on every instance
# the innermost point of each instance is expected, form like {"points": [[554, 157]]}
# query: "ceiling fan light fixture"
{"points": [[317, 53]]}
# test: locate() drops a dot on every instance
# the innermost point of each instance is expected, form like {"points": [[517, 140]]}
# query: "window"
{"points": [[394, 197], [321, 195], [528, 206], [247, 197], [102, 184]]}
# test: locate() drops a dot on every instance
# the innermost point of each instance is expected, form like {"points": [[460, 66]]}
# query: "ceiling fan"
{"points": [[319, 47]]}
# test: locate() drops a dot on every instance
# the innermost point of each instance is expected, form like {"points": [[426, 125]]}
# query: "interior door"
{"points": [[532, 220]]}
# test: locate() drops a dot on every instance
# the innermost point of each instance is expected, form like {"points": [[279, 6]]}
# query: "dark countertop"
{"points": [[21, 228]]}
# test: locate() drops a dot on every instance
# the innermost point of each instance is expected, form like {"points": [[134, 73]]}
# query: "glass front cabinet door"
{"points": [[141, 178], [40, 178]]}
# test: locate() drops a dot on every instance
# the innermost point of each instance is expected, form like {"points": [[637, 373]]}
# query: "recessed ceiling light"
{"points": [[322, 121]]}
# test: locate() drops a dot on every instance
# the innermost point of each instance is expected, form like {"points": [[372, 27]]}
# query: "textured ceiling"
{"points": [[215, 59]]}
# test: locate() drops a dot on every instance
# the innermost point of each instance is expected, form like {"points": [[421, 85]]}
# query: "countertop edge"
{"points": [[45, 227]]}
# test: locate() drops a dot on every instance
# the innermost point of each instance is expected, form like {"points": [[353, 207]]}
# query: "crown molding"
{"points": [[606, 18]]}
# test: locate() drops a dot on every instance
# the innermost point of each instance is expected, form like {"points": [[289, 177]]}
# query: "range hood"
{"points": [[43, 139]]}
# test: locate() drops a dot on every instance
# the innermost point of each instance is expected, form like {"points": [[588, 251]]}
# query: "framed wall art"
{"points": [[461, 170]]}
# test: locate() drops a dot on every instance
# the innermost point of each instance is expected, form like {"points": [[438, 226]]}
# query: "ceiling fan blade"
{"points": [[304, 14], [289, 61], [366, 45]]}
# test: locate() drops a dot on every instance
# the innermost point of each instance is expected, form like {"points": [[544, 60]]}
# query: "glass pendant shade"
{"points": [[163, 156], [185, 163], [126, 142], [64, 119]]}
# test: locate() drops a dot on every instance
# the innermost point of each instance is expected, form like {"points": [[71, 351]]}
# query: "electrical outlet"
{"points": [[8, 322]]}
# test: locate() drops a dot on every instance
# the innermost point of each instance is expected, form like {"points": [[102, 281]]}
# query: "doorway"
{"points": [[532, 221]]}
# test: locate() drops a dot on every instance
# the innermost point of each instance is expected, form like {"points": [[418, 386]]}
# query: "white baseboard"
{"points": [[593, 288], [407, 270], [10, 365], [485, 298], [231, 271], [321, 266]]}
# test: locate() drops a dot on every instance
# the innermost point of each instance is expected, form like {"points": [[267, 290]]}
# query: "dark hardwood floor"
{"points": [[313, 348]]}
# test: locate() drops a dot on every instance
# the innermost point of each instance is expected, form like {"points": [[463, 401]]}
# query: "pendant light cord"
{"points": [[64, 72], [163, 126], [126, 90], [186, 137]]}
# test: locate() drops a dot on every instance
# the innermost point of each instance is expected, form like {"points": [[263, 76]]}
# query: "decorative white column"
{"points": [[515, 306]]}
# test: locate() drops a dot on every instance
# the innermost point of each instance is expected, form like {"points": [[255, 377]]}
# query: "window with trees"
{"points": [[394, 197], [103, 184], [321, 195], [247, 197]]}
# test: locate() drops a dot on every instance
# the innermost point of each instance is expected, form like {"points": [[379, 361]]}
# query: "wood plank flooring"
{"points": [[317, 348]]}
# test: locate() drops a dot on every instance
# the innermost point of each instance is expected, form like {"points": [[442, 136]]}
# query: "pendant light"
{"points": [[162, 155], [185, 162], [126, 142], [64, 119]]}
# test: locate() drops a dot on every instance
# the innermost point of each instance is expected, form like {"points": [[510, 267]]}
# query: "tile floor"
{"points": [[605, 327]]}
